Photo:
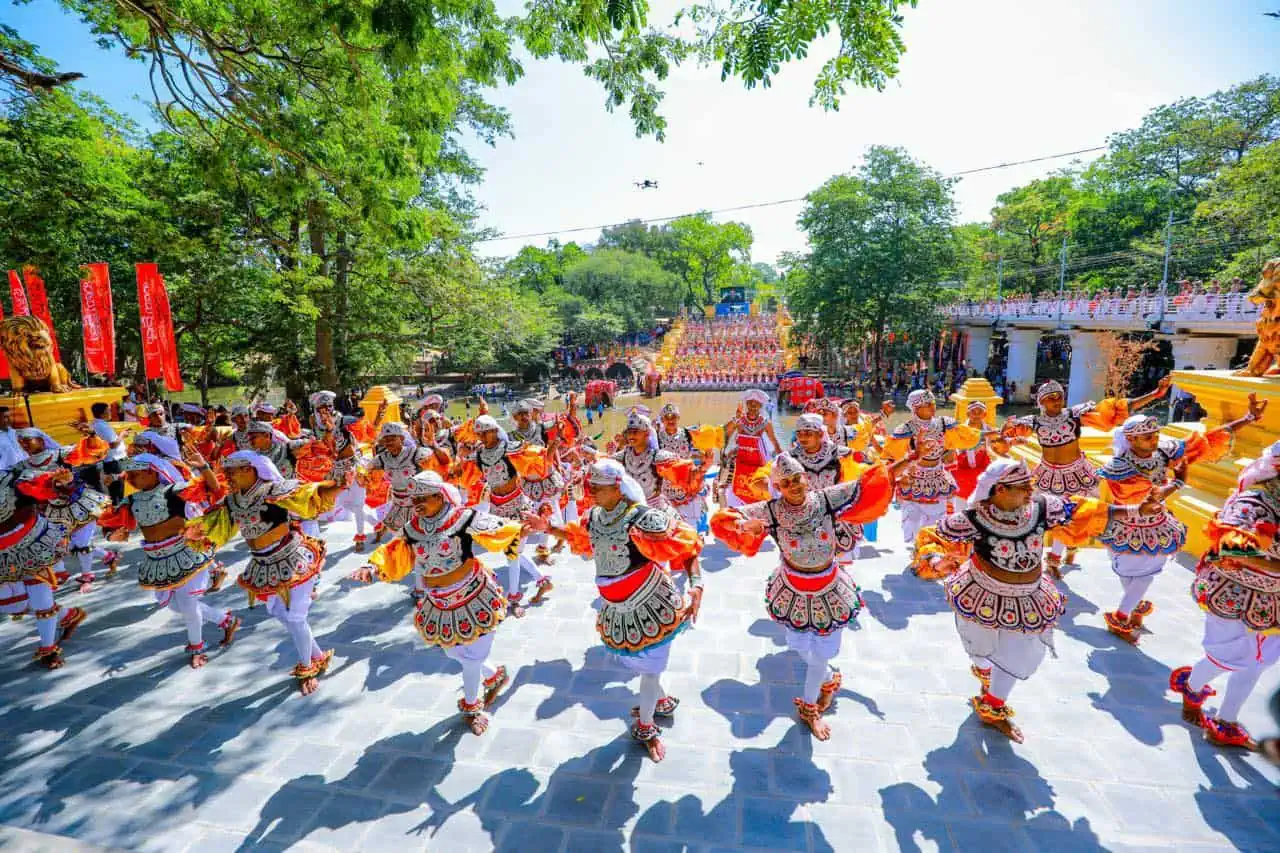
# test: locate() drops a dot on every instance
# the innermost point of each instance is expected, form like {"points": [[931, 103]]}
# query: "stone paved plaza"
{"points": [[126, 748]]}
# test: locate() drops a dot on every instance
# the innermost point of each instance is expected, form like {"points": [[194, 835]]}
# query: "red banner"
{"points": [[159, 350], [98, 320], [18, 295], [40, 306], [4, 362]]}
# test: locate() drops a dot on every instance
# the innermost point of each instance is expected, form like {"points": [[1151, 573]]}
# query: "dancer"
{"points": [[176, 569], [1148, 465], [1064, 470], [463, 603], [857, 431], [401, 459], [30, 558], [749, 443], [926, 487], [683, 443], [283, 564], [972, 461], [810, 594], [643, 611], [1237, 585], [333, 431], [991, 555], [542, 488], [76, 510], [239, 438], [500, 464]]}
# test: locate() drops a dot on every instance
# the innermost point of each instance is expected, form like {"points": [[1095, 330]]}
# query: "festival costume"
{"points": [[1005, 606], [399, 470], [175, 568], [342, 446], [284, 572], [970, 461], [810, 593], [643, 611], [77, 510], [1079, 477], [31, 549], [464, 603], [926, 486], [1140, 545], [501, 466], [748, 449], [543, 488], [830, 465], [690, 503], [1241, 603]]}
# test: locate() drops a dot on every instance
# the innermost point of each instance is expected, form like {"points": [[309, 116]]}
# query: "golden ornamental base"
{"points": [[54, 413]]}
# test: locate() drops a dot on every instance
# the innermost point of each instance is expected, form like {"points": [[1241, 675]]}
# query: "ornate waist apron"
{"points": [[170, 563], [462, 612], [1076, 478], [1027, 608], [279, 567], [76, 512], [30, 549], [510, 506], [818, 602], [1132, 533], [642, 610], [1232, 591]]}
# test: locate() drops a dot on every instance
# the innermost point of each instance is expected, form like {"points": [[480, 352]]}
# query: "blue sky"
{"points": [[983, 82]]}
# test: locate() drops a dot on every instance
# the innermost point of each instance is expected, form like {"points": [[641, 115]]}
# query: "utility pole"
{"points": [[999, 280], [1062, 278], [1164, 278]]}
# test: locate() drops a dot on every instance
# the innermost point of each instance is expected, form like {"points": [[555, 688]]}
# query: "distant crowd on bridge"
{"points": [[1192, 300]]}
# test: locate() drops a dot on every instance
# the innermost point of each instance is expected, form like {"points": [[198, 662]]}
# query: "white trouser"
{"points": [[186, 601], [472, 657], [1009, 654], [917, 516], [519, 568], [294, 619], [80, 552], [691, 512], [351, 499], [1229, 646], [22, 597], [310, 527], [817, 652]]}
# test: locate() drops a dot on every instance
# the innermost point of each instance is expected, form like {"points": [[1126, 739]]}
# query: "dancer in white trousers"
{"points": [[464, 603], [284, 563], [810, 593], [1238, 586]]}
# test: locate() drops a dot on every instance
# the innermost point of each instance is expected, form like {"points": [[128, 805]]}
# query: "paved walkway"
{"points": [[126, 748]]}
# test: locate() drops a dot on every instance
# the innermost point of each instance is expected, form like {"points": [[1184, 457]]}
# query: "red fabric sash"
{"points": [[625, 587]]}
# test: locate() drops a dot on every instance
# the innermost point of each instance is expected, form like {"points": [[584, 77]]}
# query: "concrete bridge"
{"points": [[1205, 331]]}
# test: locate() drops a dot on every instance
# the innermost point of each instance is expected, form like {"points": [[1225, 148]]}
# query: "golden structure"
{"points": [[979, 390], [1265, 360], [374, 398], [29, 348]]}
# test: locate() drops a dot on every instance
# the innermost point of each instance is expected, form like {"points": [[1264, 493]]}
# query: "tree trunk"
{"points": [[324, 323], [342, 298]]}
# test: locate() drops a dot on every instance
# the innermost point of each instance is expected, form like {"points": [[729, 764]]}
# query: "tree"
{"points": [[706, 253], [1244, 203], [879, 239], [630, 287], [1031, 221]]}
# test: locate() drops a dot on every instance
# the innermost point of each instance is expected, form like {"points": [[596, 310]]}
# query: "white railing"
{"points": [[1204, 307]]}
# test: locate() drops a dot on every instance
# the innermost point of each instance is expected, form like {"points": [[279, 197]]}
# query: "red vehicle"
{"points": [[601, 390]]}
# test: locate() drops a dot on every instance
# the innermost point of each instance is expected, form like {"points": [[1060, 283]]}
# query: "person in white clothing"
{"points": [[11, 453]]}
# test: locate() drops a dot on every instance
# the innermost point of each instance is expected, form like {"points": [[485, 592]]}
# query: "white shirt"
{"points": [[10, 451], [103, 430]]}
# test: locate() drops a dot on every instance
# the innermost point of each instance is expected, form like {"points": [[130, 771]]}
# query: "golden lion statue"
{"points": [[29, 348], [1265, 360]]}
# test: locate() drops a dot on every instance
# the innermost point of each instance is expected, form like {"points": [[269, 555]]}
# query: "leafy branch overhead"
{"points": [[249, 61]]}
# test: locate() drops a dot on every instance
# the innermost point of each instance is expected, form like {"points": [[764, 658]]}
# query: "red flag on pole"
{"points": [[18, 295], [4, 362], [40, 306], [159, 351], [99, 324]]}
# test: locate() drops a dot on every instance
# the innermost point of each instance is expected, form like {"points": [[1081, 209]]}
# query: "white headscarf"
{"points": [[433, 400], [322, 398], [240, 410], [609, 472], [263, 426], [34, 432], [484, 423], [755, 394], [397, 428], [920, 397], [149, 461], [636, 420], [1265, 467], [784, 465], [999, 472], [431, 483], [164, 445], [1133, 425], [1050, 387], [265, 468]]}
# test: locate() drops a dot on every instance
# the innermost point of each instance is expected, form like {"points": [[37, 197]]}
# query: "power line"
{"points": [[760, 204]]}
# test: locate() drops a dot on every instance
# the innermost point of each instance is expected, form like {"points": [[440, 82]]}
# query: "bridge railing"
{"points": [[1205, 307]]}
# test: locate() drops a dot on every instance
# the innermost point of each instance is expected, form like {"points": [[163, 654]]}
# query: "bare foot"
{"points": [[478, 723], [308, 686], [198, 661], [543, 589], [1008, 729], [819, 728], [656, 749]]}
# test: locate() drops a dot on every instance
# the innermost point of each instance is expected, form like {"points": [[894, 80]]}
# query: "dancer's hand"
{"points": [[946, 565], [1150, 506], [1256, 408], [695, 604], [364, 574], [752, 526], [1162, 387]]}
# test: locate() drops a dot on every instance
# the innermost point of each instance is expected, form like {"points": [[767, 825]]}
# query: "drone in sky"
{"points": [[646, 184]]}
